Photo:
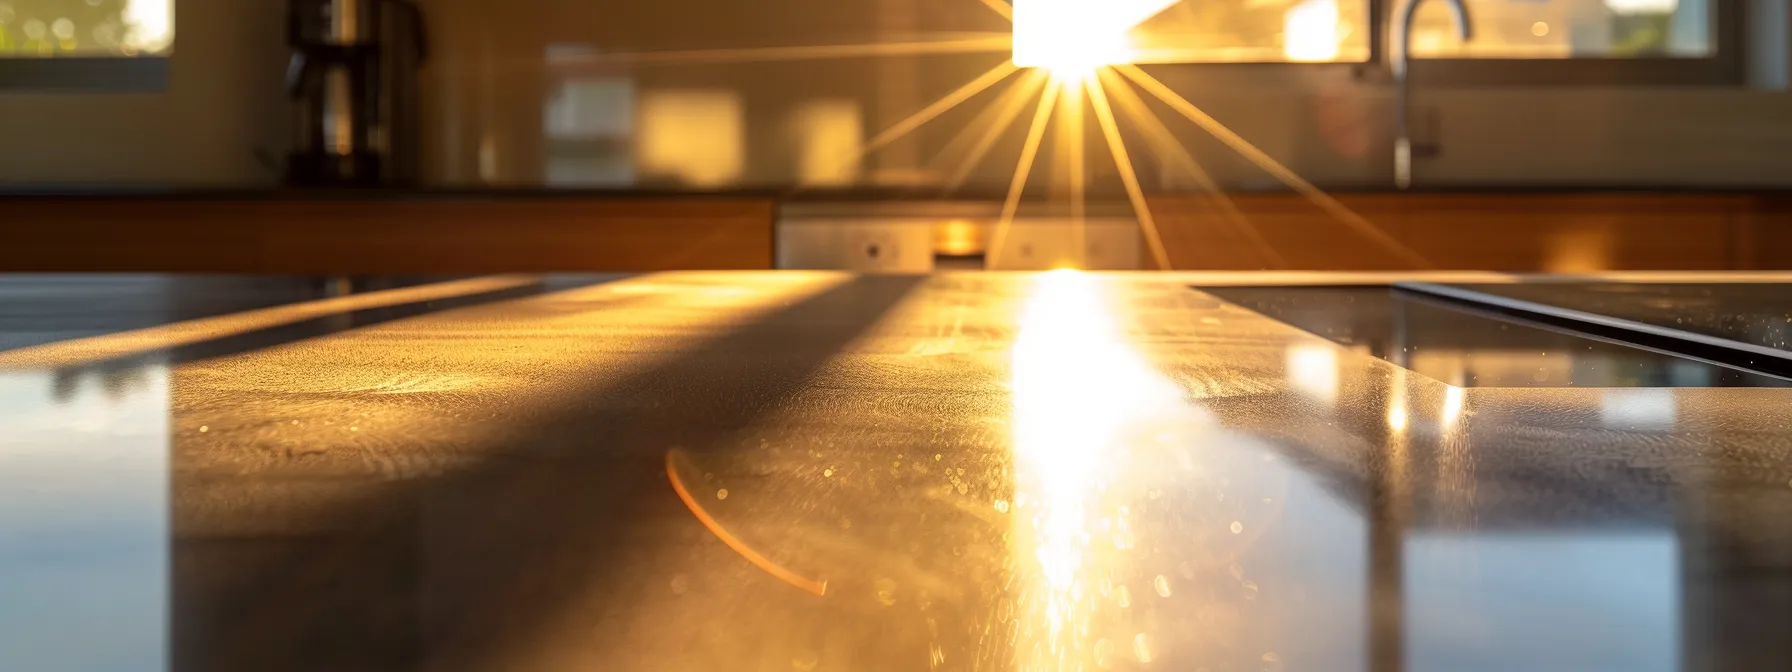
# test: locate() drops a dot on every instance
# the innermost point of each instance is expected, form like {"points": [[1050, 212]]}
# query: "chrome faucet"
{"points": [[1400, 45]]}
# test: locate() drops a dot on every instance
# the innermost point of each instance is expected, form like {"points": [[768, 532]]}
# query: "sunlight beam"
{"points": [[1117, 146], [914, 121], [994, 43], [1164, 144], [1325, 201], [1028, 153], [1017, 100], [1073, 131]]}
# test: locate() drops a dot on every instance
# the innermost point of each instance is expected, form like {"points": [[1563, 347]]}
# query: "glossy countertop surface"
{"points": [[1754, 313], [819, 471]]}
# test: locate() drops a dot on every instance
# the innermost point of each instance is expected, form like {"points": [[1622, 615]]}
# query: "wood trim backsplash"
{"points": [[381, 235], [1515, 232], [1560, 233]]}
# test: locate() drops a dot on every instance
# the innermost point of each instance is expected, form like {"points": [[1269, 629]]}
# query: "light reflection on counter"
{"points": [[1148, 536], [1079, 394], [1313, 368], [1638, 409], [84, 520]]}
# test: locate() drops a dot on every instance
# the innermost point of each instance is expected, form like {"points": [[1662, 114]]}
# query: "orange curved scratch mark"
{"points": [[813, 586]]}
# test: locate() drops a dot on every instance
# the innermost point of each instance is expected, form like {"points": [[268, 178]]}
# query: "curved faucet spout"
{"points": [[1399, 52]]}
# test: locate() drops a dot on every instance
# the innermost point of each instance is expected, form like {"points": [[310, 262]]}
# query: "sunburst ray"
{"points": [[963, 93], [992, 122], [1035, 133], [1238, 144], [1164, 144], [1104, 114]]}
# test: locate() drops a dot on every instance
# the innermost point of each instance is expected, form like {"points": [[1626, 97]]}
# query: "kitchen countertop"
{"points": [[793, 194], [821, 471]]}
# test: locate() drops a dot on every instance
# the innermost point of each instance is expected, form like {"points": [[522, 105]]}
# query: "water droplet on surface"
{"points": [[827, 473], [1141, 648], [1250, 590], [1163, 585], [680, 584], [722, 494], [936, 457], [1237, 527], [1002, 505], [204, 428], [886, 591], [804, 661], [1125, 598], [1271, 657], [1104, 653]]}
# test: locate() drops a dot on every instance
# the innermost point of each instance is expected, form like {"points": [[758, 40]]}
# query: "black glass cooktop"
{"points": [[1753, 313], [1464, 346]]}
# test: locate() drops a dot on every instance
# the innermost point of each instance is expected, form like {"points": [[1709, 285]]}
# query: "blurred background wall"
{"points": [[521, 93]]}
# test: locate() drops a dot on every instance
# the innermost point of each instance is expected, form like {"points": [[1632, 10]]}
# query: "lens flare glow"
{"points": [[1082, 400], [1071, 38]]}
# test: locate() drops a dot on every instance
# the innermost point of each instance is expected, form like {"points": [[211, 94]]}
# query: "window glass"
{"points": [[1247, 31], [1568, 29], [90, 28]]}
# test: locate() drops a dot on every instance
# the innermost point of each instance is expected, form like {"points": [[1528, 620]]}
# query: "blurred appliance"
{"points": [[921, 237], [353, 85]]}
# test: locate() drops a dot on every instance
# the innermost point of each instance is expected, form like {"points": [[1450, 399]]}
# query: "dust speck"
{"points": [[722, 493]]}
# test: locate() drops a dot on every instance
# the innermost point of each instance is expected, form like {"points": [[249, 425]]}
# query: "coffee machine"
{"points": [[353, 84]]}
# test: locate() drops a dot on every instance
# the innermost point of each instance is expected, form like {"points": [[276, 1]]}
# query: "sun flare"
{"points": [[1071, 38]]}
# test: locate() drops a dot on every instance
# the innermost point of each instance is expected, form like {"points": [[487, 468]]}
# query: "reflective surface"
{"points": [[1753, 313], [1053, 471], [41, 309], [1459, 346]]}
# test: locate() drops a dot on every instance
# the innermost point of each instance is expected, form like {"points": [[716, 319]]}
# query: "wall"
{"points": [[486, 91], [225, 100]]}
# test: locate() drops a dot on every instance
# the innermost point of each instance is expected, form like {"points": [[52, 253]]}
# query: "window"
{"points": [[1615, 42], [1569, 29], [81, 44], [1515, 42]]}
